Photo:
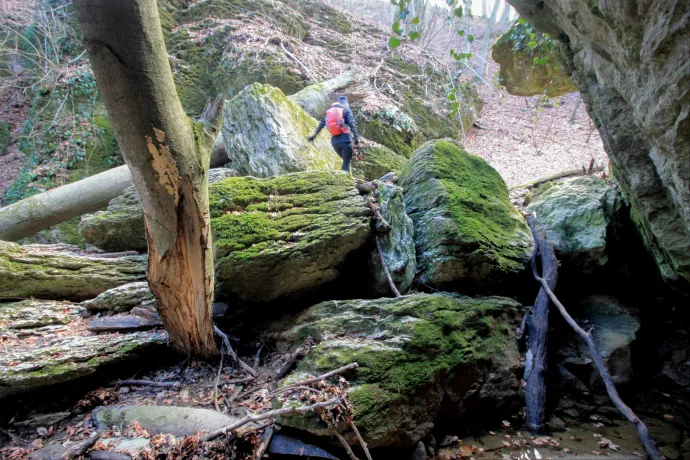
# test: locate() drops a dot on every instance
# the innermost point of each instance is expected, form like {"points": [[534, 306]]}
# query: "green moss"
{"points": [[378, 160], [4, 136]]}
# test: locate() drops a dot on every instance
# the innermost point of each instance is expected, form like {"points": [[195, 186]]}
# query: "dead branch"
{"points": [[346, 446], [294, 58], [258, 417], [265, 442], [149, 383], [385, 268], [361, 441], [340, 370], [234, 381], [216, 385], [642, 431], [257, 357], [302, 351], [558, 175], [231, 352], [81, 448]]}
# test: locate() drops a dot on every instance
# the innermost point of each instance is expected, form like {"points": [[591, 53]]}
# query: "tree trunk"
{"points": [[487, 39], [31, 215], [484, 9], [505, 17], [168, 156]]}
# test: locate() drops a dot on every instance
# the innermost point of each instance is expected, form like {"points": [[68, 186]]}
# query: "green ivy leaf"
{"points": [[393, 42], [470, 38], [461, 33], [522, 21], [396, 28], [415, 20], [458, 12], [414, 35]]}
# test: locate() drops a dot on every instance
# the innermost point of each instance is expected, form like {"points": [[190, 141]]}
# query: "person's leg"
{"points": [[346, 155], [338, 150]]}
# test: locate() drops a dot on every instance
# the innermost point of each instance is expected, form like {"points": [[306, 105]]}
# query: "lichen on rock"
{"points": [[292, 232], [121, 298], [467, 232], [423, 359], [30, 314]]}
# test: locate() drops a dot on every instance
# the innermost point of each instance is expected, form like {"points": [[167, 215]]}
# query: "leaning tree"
{"points": [[168, 156]]}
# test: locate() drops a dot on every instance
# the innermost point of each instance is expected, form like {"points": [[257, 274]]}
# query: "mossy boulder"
{"points": [[122, 298], [378, 160], [30, 314], [50, 360], [530, 64], [467, 233], [580, 218], [397, 245], [292, 232], [391, 127], [121, 226], [62, 272], [266, 135], [423, 359]]}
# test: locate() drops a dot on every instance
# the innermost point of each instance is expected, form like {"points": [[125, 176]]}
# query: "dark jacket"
{"points": [[349, 121]]}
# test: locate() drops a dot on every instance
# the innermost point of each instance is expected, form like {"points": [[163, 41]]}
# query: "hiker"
{"points": [[338, 119]]}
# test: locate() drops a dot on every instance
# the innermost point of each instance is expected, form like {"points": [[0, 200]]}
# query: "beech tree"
{"points": [[168, 157]]}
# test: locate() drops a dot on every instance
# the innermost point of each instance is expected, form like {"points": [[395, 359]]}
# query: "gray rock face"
{"points": [[121, 227], [178, 421], [630, 61], [397, 245], [579, 218], [467, 232], [58, 272], [122, 298], [29, 314], [286, 235], [266, 135], [421, 358], [52, 360], [614, 329]]}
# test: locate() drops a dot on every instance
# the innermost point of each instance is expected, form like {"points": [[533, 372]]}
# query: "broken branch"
{"points": [[338, 371], [149, 383], [81, 448], [258, 417], [232, 353], [385, 268]]}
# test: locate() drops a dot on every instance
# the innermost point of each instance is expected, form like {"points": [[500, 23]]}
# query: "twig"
{"points": [[257, 358], [385, 268], [14, 438], [149, 383], [641, 428], [302, 351], [234, 381], [81, 448], [265, 442], [215, 386], [361, 441], [232, 353], [255, 418], [346, 446], [236, 393], [558, 175], [338, 371]]}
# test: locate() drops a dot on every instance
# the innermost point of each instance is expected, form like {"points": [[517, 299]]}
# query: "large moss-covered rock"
{"points": [[397, 245], [467, 232], [527, 64], [391, 127], [423, 360], [580, 218], [266, 135], [632, 68], [121, 226], [378, 160], [50, 360], [282, 236], [62, 272]]}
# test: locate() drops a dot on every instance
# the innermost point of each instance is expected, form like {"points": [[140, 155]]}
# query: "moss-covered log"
{"points": [[38, 212], [316, 99], [49, 272]]}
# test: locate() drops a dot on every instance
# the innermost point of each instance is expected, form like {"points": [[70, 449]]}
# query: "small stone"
{"points": [[419, 452], [679, 356], [572, 413]]}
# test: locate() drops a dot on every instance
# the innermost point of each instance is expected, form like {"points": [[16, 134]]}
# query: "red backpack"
{"points": [[335, 122]]}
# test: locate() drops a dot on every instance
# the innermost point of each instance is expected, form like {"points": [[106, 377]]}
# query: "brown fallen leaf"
{"points": [[668, 416]]}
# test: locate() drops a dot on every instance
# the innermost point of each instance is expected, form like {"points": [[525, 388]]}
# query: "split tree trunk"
{"points": [[38, 212], [537, 330], [486, 40], [167, 155]]}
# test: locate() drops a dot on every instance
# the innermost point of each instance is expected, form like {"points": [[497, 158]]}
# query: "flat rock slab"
{"points": [[121, 298], [51, 272], [50, 360], [175, 420], [29, 314], [122, 323]]}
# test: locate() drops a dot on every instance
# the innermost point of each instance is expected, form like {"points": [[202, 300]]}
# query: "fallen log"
{"points": [[81, 448], [537, 326], [38, 212], [642, 431], [559, 175], [316, 99]]}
